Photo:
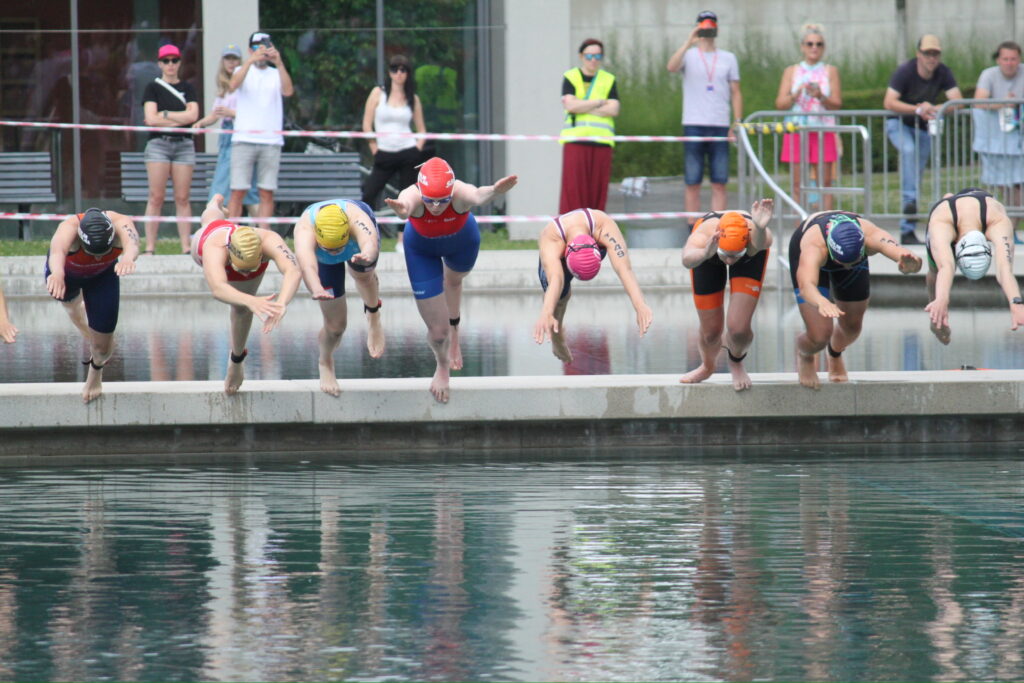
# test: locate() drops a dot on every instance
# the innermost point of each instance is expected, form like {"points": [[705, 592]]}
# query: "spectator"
{"points": [[810, 86], [169, 102], [591, 102], [997, 135], [913, 90], [8, 331], [224, 111], [260, 82], [711, 84], [393, 108]]}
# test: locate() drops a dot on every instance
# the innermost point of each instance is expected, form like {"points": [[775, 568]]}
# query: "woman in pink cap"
{"points": [[169, 102], [573, 245]]}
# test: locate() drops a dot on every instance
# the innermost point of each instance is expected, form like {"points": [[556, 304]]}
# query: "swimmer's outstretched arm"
{"points": [[305, 253], [125, 230], [618, 255], [214, 263], [760, 236], [1002, 254], [465, 195], [63, 237], [366, 235], [407, 202], [701, 244], [551, 249], [878, 241], [812, 257], [8, 331]]}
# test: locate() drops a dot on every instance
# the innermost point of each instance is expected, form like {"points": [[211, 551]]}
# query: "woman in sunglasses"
{"points": [[83, 272], [169, 102], [810, 86], [440, 250], [390, 109], [828, 259]]}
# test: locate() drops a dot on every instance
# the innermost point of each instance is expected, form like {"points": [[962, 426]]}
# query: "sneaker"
{"points": [[909, 238], [910, 208]]}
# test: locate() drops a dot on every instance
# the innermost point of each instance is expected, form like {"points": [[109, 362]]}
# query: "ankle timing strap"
{"points": [[454, 322], [93, 364], [733, 358], [240, 357], [832, 352], [373, 309]]}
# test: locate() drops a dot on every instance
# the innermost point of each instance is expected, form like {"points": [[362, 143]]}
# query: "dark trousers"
{"points": [[387, 165], [586, 170]]}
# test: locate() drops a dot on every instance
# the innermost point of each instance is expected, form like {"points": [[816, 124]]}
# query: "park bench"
{"points": [[26, 178]]}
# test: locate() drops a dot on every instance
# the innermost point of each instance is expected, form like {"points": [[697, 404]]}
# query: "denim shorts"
{"points": [[716, 154], [167, 149], [246, 155]]}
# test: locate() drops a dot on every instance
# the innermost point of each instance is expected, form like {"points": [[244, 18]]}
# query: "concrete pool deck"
{"points": [[176, 420]]}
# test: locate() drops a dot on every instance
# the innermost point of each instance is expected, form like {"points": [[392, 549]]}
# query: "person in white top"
{"points": [[810, 86], [393, 108], [260, 81], [711, 86]]}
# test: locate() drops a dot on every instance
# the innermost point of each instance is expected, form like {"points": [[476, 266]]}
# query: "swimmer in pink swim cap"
{"points": [[573, 246]]}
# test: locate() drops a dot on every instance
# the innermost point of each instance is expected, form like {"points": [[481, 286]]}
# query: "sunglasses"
{"points": [[813, 43], [931, 53], [170, 60], [398, 68], [591, 58], [437, 202]]}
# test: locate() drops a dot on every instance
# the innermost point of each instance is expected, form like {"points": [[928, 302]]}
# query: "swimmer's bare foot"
{"points": [[236, 373], [328, 382], [93, 382], [698, 374], [560, 348], [807, 370], [836, 367], [375, 337], [454, 351], [942, 333], [740, 378], [439, 385]]}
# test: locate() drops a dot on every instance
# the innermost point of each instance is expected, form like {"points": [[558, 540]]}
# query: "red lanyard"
{"points": [[711, 71]]}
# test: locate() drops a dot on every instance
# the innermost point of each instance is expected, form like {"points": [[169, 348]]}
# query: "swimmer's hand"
{"points": [[938, 313], [545, 327], [400, 209], [8, 332], [1016, 316], [829, 310], [124, 267], [55, 286], [909, 262], [363, 259], [761, 212], [644, 317], [505, 184], [267, 310]]}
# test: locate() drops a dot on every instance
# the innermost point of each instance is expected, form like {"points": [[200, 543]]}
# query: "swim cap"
{"points": [[583, 257], [244, 248], [973, 255], [331, 227], [844, 239], [436, 179], [96, 232], [735, 234]]}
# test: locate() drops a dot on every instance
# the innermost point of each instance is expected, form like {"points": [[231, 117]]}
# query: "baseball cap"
{"points": [[707, 19], [244, 248], [973, 255], [260, 38], [583, 257], [231, 50], [436, 179], [96, 232], [844, 239], [929, 42], [735, 233], [168, 51], [331, 227]]}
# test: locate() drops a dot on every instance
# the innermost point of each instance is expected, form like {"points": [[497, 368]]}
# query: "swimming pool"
{"points": [[777, 564]]}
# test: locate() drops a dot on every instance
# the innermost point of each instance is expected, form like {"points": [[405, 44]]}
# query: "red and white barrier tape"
{"points": [[380, 219], [360, 134]]}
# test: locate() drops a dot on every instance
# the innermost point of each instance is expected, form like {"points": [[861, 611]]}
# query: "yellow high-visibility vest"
{"points": [[589, 124]]}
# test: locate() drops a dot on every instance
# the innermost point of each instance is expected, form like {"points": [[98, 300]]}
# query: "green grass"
{"points": [[498, 239]]}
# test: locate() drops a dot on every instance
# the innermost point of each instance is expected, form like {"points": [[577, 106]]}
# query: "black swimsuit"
{"points": [[980, 195], [845, 283]]}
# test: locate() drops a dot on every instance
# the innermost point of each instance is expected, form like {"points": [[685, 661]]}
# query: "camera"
{"points": [[707, 32]]}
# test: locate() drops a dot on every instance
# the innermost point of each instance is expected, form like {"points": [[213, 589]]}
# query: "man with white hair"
{"points": [[971, 230]]}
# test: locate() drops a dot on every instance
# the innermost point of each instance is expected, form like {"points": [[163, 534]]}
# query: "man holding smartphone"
{"points": [[260, 81], [711, 85]]}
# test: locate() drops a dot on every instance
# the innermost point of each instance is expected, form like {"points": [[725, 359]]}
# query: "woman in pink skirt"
{"points": [[810, 86]]}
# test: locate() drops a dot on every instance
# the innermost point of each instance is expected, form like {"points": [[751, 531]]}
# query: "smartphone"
{"points": [[707, 32]]}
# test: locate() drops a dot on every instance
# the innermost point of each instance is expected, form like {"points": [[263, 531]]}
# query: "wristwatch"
{"points": [[1017, 300], [164, 112]]}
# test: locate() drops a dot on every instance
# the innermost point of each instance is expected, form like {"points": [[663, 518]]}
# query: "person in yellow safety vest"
{"points": [[591, 102]]}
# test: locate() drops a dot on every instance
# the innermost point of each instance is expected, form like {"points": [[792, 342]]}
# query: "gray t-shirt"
{"points": [[707, 87], [998, 86]]}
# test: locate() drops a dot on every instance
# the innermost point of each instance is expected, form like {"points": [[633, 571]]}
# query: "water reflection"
{"points": [[183, 338], [796, 567]]}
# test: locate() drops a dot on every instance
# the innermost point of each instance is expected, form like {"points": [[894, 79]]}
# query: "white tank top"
{"points": [[388, 119]]}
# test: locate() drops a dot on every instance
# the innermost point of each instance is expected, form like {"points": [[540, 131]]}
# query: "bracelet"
{"points": [[918, 110]]}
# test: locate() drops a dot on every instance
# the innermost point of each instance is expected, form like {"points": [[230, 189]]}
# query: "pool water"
{"points": [[677, 565], [186, 338]]}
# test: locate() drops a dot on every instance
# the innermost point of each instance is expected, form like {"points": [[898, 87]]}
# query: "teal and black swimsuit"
{"points": [[845, 283]]}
